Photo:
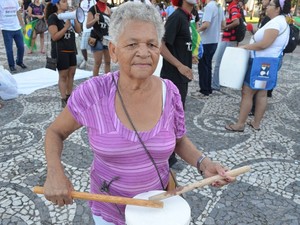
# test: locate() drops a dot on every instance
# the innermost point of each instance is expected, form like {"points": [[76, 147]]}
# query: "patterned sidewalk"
{"points": [[269, 194]]}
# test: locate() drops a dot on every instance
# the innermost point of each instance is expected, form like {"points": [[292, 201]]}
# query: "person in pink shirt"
{"points": [[134, 120]]}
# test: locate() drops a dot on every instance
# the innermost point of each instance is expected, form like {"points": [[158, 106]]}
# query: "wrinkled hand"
{"points": [[211, 168], [57, 189], [186, 71]]}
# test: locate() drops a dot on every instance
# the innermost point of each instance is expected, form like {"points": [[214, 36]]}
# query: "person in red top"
{"points": [[232, 15]]}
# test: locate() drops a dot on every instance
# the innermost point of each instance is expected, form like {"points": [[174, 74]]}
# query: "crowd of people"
{"points": [[142, 113]]}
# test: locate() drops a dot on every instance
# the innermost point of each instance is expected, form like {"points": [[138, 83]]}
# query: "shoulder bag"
{"points": [[51, 63], [40, 26], [172, 177], [264, 70]]}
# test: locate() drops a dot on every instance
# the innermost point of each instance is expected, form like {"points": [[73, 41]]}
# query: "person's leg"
{"points": [[33, 38], [260, 108], [70, 80], [203, 73], [97, 62], [71, 73], [215, 80], [245, 107], [63, 65], [63, 82], [106, 60], [18, 37], [84, 54], [42, 42], [252, 112], [8, 43], [210, 54]]}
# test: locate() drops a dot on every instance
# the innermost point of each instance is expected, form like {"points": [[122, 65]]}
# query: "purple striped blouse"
{"points": [[119, 157]]}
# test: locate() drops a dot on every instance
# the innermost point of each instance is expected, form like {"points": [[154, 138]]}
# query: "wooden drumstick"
{"points": [[109, 198], [207, 181]]}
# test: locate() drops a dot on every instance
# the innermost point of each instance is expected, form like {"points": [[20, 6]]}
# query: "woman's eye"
{"points": [[132, 45], [152, 46]]}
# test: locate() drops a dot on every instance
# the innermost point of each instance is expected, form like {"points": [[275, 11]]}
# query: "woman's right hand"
{"points": [[57, 189], [97, 16], [186, 71], [68, 24]]}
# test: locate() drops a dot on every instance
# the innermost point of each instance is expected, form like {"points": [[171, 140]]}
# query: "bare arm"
{"points": [[77, 26], [19, 15], [57, 185], [269, 37], [55, 34], [184, 70], [189, 153], [234, 23], [204, 26], [91, 19]]}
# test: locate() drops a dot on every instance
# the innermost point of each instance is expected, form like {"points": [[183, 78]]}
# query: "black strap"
{"points": [[140, 139]]}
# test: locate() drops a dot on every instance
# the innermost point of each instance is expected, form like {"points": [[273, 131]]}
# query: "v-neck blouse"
{"points": [[118, 154]]}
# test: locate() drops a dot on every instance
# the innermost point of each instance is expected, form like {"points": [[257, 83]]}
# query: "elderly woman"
{"points": [[268, 41], [134, 121]]}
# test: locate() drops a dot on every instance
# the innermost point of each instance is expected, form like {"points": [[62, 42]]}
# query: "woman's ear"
{"points": [[112, 52]]}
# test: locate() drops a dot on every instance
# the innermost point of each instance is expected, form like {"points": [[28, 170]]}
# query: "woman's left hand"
{"points": [[211, 168]]}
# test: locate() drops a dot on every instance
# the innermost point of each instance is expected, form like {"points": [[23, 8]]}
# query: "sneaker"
{"points": [[22, 65], [12, 69], [199, 95], [82, 65]]}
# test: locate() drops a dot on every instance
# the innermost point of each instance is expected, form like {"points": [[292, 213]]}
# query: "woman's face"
{"points": [[265, 3], [272, 10], [137, 50], [63, 5]]}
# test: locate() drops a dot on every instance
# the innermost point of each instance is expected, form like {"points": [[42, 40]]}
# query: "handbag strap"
{"points": [[135, 130]]}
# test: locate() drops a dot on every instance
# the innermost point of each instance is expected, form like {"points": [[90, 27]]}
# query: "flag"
{"points": [[27, 33], [197, 48]]}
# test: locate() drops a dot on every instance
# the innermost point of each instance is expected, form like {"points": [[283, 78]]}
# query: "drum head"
{"points": [[176, 211]]}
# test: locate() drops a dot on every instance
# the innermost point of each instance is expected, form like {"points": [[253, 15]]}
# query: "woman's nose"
{"points": [[143, 50]]}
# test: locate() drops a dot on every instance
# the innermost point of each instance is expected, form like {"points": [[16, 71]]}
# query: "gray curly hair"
{"points": [[134, 11]]}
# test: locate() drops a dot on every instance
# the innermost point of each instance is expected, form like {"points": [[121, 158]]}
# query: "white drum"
{"points": [[233, 67], [158, 67], [176, 211]]}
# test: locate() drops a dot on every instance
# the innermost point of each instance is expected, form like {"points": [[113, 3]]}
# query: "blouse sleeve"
{"points": [[177, 109], [84, 101]]}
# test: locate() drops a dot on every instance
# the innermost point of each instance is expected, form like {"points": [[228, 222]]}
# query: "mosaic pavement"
{"points": [[269, 194]]}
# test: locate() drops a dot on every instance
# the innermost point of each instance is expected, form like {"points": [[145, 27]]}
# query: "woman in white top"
{"points": [[268, 41]]}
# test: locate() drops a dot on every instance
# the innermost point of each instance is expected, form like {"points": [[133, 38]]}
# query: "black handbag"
{"points": [[51, 63]]}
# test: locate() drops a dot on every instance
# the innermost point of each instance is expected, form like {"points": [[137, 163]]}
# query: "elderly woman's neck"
{"points": [[132, 86]]}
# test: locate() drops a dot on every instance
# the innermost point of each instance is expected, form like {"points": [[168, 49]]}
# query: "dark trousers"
{"points": [[205, 68], [183, 90]]}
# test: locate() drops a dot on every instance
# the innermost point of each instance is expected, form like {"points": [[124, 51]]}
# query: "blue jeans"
{"points": [[100, 221], [205, 68], [8, 37], [219, 54]]}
